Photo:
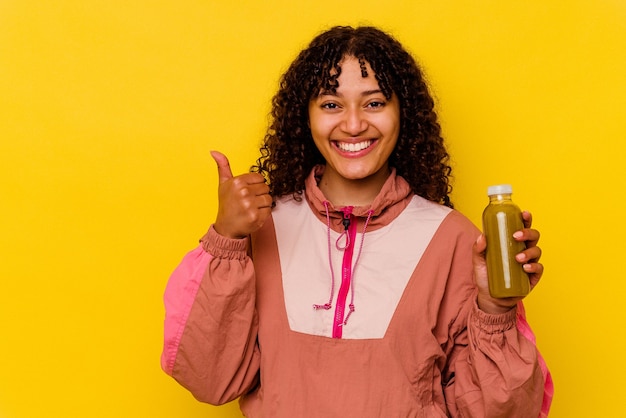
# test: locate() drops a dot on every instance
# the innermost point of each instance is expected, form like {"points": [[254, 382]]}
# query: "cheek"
{"points": [[315, 133], [394, 124], [320, 128], [319, 139]]}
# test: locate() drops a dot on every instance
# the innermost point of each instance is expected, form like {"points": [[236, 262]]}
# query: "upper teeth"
{"points": [[352, 147]]}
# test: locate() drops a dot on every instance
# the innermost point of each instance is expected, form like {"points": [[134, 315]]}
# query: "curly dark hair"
{"points": [[288, 153]]}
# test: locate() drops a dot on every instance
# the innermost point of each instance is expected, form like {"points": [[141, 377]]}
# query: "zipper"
{"points": [[350, 226]]}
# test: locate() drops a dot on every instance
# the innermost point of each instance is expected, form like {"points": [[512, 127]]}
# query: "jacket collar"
{"points": [[393, 197]]}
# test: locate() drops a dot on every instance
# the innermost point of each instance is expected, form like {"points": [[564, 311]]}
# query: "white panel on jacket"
{"points": [[389, 257]]}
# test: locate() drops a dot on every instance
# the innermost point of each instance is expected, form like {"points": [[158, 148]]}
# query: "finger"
{"points": [[253, 178], [223, 166], [527, 217], [536, 269], [251, 186], [265, 201], [258, 196], [532, 254], [529, 236], [480, 246], [535, 272]]}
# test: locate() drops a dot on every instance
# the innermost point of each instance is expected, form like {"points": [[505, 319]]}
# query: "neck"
{"points": [[341, 191]]}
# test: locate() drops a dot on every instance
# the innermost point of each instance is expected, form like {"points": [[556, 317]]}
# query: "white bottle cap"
{"points": [[499, 189]]}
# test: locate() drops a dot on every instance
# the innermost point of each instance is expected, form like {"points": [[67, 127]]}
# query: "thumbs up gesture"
{"points": [[244, 201]]}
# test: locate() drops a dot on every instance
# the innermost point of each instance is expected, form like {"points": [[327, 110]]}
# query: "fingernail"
{"points": [[518, 234]]}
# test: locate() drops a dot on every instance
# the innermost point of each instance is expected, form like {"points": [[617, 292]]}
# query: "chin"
{"points": [[356, 175]]}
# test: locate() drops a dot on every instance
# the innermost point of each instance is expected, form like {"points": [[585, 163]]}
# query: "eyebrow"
{"points": [[363, 93]]}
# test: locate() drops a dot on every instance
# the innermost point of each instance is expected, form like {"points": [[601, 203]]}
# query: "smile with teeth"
{"points": [[353, 147]]}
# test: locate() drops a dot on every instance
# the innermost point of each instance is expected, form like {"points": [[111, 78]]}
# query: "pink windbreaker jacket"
{"points": [[349, 312]]}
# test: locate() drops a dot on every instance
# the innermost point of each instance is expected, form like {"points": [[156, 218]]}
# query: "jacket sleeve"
{"points": [[495, 369], [210, 334]]}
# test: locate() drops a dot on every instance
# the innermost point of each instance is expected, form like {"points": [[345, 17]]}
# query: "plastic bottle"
{"points": [[501, 219]]}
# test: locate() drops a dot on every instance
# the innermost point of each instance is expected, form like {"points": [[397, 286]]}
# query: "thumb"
{"points": [[480, 246], [223, 166]]}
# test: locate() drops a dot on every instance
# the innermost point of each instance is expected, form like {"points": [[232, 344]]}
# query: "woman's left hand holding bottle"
{"points": [[529, 258]]}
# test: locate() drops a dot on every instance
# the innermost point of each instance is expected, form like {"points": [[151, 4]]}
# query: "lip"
{"points": [[358, 147]]}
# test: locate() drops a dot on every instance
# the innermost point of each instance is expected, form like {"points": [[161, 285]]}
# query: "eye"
{"points": [[375, 104], [329, 105]]}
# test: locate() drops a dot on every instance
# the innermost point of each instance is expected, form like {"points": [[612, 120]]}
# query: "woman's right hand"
{"points": [[244, 201]]}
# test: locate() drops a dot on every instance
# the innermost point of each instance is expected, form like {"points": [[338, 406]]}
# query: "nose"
{"points": [[354, 122]]}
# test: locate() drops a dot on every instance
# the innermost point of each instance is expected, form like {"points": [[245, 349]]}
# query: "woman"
{"points": [[337, 279]]}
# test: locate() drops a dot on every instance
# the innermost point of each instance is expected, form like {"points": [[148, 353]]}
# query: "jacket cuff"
{"points": [[221, 247], [493, 323]]}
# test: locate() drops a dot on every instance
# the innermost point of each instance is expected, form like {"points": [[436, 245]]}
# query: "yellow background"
{"points": [[108, 110]]}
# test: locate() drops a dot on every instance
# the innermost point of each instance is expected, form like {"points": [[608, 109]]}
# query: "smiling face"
{"points": [[355, 128]]}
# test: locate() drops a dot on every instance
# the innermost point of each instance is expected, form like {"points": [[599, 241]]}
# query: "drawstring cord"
{"points": [[346, 224], [328, 305]]}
